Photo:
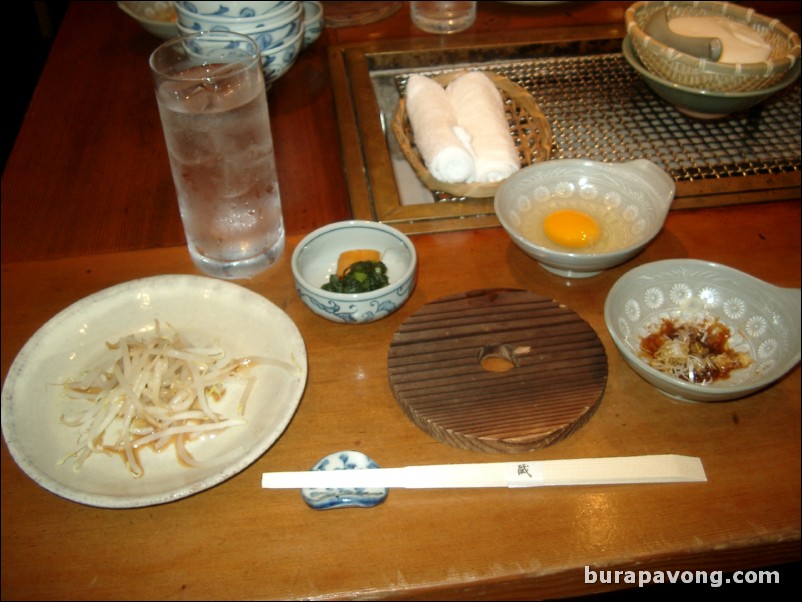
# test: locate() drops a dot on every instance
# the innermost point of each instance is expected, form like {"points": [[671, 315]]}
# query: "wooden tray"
{"points": [[438, 378], [597, 108]]}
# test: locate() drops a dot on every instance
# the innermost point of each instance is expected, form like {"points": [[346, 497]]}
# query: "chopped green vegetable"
{"points": [[360, 277]]}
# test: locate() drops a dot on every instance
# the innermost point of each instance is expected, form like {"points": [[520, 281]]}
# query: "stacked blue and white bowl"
{"points": [[277, 27]]}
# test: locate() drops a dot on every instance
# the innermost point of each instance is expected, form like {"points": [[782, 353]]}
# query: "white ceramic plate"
{"points": [[207, 311]]}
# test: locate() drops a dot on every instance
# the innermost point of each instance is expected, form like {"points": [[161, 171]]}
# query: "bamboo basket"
{"points": [[528, 126], [702, 74]]}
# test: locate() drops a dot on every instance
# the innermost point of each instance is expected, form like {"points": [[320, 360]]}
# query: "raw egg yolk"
{"points": [[570, 228]]}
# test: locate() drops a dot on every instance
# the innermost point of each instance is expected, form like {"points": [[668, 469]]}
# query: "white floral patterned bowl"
{"points": [[629, 202], [315, 259], [763, 320]]}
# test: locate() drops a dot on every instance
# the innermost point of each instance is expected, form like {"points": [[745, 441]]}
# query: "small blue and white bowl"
{"points": [[293, 11], [283, 33], [268, 37], [213, 46], [231, 10], [276, 61], [315, 259], [313, 22]]}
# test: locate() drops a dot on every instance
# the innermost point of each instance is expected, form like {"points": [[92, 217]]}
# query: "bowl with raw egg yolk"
{"points": [[579, 217]]}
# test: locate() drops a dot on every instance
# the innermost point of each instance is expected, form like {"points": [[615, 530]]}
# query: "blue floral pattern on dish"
{"points": [[221, 10], [315, 259], [352, 313], [357, 497]]}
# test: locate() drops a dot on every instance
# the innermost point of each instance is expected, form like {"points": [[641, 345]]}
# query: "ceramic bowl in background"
{"points": [[277, 61], [276, 27], [190, 20], [628, 201], [313, 22], [315, 259], [231, 10], [267, 37], [704, 104], [763, 319], [216, 45], [277, 34], [157, 18]]}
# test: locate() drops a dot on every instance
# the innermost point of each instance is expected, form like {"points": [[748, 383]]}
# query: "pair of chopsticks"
{"points": [[586, 471]]}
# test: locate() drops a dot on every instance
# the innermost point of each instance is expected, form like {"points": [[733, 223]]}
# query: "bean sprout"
{"points": [[160, 389], [698, 352]]}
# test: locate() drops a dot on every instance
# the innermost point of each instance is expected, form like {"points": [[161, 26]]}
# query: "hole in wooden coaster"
{"points": [[497, 358]]}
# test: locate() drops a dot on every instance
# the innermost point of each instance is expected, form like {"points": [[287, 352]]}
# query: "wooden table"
{"points": [[87, 202]]}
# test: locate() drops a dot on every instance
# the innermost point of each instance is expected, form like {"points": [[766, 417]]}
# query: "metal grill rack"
{"points": [[598, 108]]}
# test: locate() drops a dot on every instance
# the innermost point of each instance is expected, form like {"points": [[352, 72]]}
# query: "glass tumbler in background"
{"points": [[443, 17], [210, 90], [352, 14]]}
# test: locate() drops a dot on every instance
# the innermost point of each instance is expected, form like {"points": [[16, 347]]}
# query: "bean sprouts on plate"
{"points": [[157, 389]]}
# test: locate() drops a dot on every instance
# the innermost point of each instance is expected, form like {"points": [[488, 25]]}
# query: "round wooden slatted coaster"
{"points": [[498, 370]]}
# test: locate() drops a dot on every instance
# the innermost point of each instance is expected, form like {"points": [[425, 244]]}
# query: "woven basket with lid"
{"points": [[704, 74]]}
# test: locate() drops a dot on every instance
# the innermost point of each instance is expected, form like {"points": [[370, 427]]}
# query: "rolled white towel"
{"points": [[480, 111], [438, 136]]}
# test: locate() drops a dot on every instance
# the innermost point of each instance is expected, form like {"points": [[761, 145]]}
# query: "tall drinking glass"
{"points": [[210, 90]]}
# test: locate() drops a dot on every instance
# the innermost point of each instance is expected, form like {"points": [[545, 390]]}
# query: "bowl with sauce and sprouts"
{"points": [[355, 271], [579, 217], [702, 331]]}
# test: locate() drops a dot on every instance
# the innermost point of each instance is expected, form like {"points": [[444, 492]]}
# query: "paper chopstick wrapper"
{"points": [[586, 471]]}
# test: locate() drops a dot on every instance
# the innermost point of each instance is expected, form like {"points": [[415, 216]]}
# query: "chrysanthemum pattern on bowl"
{"points": [[627, 201], [624, 217], [695, 291]]}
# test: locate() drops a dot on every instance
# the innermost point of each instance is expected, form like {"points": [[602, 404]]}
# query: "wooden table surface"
{"points": [[88, 202]]}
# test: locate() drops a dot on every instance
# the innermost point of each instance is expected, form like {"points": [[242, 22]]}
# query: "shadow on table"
{"points": [[38, 23]]}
